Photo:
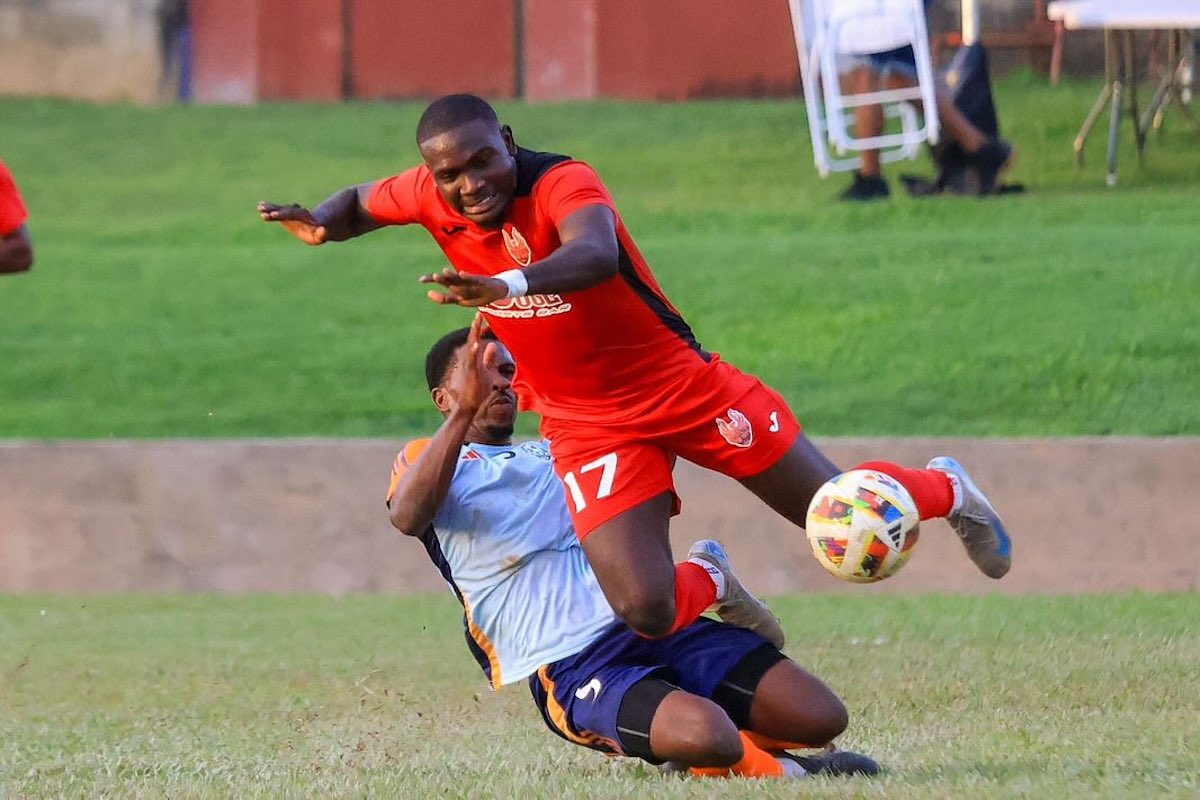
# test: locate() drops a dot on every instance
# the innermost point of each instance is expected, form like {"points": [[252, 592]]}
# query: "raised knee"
{"points": [[721, 745], [650, 617], [709, 738], [829, 720]]}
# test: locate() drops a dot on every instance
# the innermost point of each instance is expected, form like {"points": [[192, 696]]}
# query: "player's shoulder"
{"points": [[535, 168], [409, 454]]}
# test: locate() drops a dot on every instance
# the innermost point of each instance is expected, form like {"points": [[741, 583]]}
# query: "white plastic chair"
{"points": [[827, 29]]}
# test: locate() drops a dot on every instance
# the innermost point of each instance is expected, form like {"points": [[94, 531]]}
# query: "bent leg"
{"points": [[692, 731], [631, 556], [794, 706]]}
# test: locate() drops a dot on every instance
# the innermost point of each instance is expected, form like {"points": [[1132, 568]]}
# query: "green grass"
{"points": [[161, 306], [178, 697]]}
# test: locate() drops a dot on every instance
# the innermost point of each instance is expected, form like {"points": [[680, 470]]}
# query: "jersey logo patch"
{"points": [[737, 430], [517, 247], [537, 450]]}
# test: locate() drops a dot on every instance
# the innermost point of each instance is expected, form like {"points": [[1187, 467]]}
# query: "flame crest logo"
{"points": [[517, 247], [737, 430]]}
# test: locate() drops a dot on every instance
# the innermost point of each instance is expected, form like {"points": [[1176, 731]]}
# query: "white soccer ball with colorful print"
{"points": [[862, 526]]}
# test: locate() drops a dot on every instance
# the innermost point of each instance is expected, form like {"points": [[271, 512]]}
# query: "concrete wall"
{"points": [[86, 49], [1086, 515]]}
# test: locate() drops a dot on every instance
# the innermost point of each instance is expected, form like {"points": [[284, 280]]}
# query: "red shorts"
{"points": [[719, 418]]}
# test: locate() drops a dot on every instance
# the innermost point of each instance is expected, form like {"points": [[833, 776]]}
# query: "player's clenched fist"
{"points": [[296, 219]]}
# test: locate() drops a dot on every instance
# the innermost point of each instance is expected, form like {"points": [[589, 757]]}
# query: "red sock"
{"points": [[930, 488], [694, 593]]}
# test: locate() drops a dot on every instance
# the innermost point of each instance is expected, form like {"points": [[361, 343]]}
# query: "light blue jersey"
{"points": [[503, 540]]}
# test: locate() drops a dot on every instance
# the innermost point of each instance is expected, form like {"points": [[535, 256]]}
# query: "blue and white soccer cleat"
{"points": [[976, 522], [737, 606]]}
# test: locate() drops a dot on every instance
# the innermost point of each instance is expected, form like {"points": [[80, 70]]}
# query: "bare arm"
{"points": [[341, 216], [16, 251], [588, 256], [424, 486]]}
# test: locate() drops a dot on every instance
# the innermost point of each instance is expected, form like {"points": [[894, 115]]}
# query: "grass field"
{"points": [[161, 306], [181, 697]]}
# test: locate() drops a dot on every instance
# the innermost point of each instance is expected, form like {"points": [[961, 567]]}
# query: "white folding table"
{"points": [[1118, 19]]}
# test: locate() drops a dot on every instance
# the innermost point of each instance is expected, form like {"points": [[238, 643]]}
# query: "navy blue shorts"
{"points": [[580, 696], [901, 61]]}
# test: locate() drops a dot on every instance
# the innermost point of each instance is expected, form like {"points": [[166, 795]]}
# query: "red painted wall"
{"points": [[300, 50], [427, 48], [560, 50], [680, 49], [247, 50], [225, 51]]}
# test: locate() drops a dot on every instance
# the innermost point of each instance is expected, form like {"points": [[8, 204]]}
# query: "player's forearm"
{"points": [[344, 215], [424, 487], [576, 265], [16, 252]]}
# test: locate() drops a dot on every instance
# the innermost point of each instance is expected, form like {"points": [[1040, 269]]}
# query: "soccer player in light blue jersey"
{"points": [[492, 515]]}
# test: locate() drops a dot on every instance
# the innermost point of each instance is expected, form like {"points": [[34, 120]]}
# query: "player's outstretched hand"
{"points": [[464, 289], [473, 391], [296, 219]]}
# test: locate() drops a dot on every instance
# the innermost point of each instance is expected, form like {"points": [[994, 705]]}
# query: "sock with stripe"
{"points": [[931, 489]]}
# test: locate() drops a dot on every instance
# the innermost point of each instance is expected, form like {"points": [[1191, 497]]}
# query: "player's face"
{"points": [[493, 423], [475, 170]]}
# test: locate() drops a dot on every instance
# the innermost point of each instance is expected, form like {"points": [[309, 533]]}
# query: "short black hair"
{"points": [[449, 112], [441, 356]]}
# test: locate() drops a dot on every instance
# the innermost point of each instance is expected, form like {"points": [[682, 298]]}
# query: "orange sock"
{"points": [[755, 763], [930, 488], [767, 743], [694, 593]]}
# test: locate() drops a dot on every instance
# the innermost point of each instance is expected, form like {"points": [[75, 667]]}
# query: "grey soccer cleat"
{"points": [[976, 522], [738, 607], [830, 762]]}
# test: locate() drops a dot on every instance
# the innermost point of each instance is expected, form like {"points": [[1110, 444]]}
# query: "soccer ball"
{"points": [[862, 526]]}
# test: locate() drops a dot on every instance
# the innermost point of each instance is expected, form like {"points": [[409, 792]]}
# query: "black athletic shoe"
{"points": [[865, 188], [835, 762]]}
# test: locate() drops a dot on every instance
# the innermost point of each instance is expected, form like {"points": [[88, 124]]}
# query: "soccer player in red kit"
{"points": [[16, 250], [623, 387]]}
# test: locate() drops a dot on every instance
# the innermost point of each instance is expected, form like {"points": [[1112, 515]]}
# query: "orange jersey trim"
{"points": [[405, 459], [485, 645], [558, 716]]}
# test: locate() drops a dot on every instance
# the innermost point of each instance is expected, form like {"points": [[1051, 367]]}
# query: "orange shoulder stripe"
{"points": [[406, 458]]}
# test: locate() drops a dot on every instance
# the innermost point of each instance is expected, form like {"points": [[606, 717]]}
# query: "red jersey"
{"points": [[12, 209], [609, 352]]}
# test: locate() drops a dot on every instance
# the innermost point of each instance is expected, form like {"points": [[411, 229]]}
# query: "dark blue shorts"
{"points": [[901, 61], [580, 696]]}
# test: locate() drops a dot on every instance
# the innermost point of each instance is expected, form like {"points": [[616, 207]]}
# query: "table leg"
{"points": [[1171, 88], [1114, 127], [1110, 81], [1166, 87], [1139, 134]]}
